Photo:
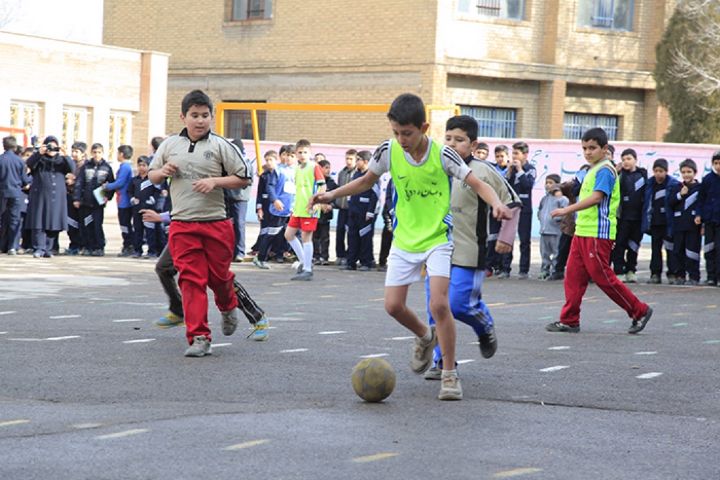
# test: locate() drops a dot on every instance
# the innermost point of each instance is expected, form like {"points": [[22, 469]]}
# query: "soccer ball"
{"points": [[373, 379]]}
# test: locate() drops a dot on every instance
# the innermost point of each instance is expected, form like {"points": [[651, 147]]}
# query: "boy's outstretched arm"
{"points": [[358, 185], [489, 196], [595, 198]]}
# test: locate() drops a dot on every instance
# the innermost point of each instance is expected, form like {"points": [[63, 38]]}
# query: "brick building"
{"points": [[524, 68]]}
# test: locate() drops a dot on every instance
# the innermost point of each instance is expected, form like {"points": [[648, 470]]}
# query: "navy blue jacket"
{"points": [[657, 204], [89, 177], [685, 207], [12, 175], [709, 198], [365, 202], [146, 196], [266, 191], [523, 183], [632, 194]]}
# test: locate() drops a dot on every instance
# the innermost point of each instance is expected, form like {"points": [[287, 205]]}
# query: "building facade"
{"points": [[523, 68]]}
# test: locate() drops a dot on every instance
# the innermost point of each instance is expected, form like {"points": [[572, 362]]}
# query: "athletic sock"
{"points": [[297, 248], [427, 337], [449, 373], [308, 256]]}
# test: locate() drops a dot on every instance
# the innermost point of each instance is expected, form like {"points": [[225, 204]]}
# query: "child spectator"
{"points": [[570, 189], [361, 220], [709, 209], [633, 182], [321, 236], [657, 221], [125, 208], [77, 153], [286, 169], [686, 232], [309, 179], [521, 176], [388, 213], [146, 196], [236, 200], [270, 224], [594, 237], [482, 150], [344, 177], [91, 176], [494, 262], [550, 227]]}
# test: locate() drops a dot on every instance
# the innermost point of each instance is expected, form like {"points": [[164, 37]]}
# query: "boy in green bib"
{"points": [[422, 172]]}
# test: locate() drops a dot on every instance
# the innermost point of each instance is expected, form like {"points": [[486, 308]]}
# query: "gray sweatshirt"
{"points": [[549, 225]]}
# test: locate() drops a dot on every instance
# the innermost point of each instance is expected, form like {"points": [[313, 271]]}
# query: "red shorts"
{"points": [[305, 224]]}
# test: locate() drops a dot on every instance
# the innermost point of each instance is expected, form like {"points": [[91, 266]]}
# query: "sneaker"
{"points": [[556, 276], [450, 388], [638, 324], [303, 276], [199, 348], [363, 268], [38, 254], [488, 343], [692, 282], [136, 255], [298, 267], [521, 276], [170, 320], [12, 252], [710, 282], [382, 268], [678, 281], [561, 327], [423, 352], [229, 321], [655, 280], [48, 255], [348, 267], [434, 373], [238, 259], [324, 261], [260, 330], [503, 275], [260, 264], [543, 276], [630, 277], [670, 278]]}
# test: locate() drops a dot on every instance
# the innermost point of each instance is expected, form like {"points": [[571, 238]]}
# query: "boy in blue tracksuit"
{"points": [[268, 204], [120, 185], [521, 176], [683, 200], [709, 215], [657, 220], [94, 173], [361, 219], [146, 196]]}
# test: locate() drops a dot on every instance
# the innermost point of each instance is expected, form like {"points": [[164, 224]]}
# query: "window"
{"points": [[493, 122], [251, 9], [238, 123], [610, 14], [25, 115], [120, 132], [576, 124], [513, 9], [74, 125]]}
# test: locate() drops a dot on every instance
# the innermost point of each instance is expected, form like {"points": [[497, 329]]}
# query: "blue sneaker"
{"points": [[170, 320], [260, 330]]}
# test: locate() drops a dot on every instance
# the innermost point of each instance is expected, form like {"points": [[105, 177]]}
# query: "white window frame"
{"points": [[75, 125], [601, 14], [119, 134], [490, 8], [27, 116], [240, 10]]}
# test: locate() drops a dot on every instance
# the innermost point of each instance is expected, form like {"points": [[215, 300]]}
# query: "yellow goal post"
{"points": [[253, 107]]}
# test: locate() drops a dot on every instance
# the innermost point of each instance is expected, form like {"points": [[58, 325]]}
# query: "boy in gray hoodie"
{"points": [[550, 227]]}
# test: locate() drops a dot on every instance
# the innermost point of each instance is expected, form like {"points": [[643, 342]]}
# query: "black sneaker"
{"points": [[488, 343], [710, 282], [561, 327], [638, 324], [556, 276], [655, 280]]}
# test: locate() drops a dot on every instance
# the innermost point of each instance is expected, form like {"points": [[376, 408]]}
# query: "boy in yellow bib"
{"points": [[422, 171]]}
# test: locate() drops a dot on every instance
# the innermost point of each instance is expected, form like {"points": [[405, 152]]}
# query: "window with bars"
{"points": [[576, 124], [608, 14], [238, 123], [251, 9], [25, 115], [74, 125], [493, 122], [120, 132], [512, 9]]}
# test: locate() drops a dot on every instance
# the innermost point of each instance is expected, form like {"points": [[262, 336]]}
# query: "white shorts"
{"points": [[405, 268]]}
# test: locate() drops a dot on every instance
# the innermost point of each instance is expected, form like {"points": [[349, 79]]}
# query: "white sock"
{"points": [[297, 248], [427, 337], [308, 256], [449, 373]]}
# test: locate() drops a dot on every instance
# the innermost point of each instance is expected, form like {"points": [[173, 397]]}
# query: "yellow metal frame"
{"points": [[221, 107]]}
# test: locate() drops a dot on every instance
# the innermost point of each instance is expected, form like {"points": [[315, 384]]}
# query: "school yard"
{"points": [[91, 390]]}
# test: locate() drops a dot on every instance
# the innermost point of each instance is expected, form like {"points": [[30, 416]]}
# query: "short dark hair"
{"points": [[689, 163], [320, 154], [611, 149], [466, 123], [715, 156], [198, 98], [554, 177], [82, 146], [629, 151], [96, 146], [143, 159], [483, 146], [302, 143], [352, 151], [364, 155], [287, 149], [521, 147], [270, 153], [407, 109], [597, 134], [501, 148], [155, 142], [9, 143], [323, 163], [126, 151]]}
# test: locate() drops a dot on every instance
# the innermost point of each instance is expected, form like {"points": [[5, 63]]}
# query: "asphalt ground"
{"points": [[90, 389]]}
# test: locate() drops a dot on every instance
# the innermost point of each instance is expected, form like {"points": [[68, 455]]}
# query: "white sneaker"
{"points": [[199, 348], [423, 353], [450, 388], [229, 321], [434, 373]]}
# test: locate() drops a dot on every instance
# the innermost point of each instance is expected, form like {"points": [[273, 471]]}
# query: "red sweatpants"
{"points": [[202, 252], [590, 258]]}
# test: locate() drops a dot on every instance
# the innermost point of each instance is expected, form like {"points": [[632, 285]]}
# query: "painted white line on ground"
{"points": [[710, 306], [468, 360], [67, 337], [83, 426], [712, 342], [680, 324], [3, 333], [126, 433], [216, 345], [495, 304], [646, 353], [381, 299], [375, 457], [128, 320], [555, 368], [648, 375], [286, 319], [141, 340], [25, 339], [401, 338], [560, 347], [332, 332], [549, 317], [516, 472], [295, 314], [610, 321], [327, 296], [58, 317], [294, 350], [374, 355], [10, 423], [252, 443], [537, 298], [9, 312]]}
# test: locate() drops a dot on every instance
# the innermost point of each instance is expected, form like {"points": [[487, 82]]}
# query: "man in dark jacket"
{"points": [[12, 180], [91, 176]]}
